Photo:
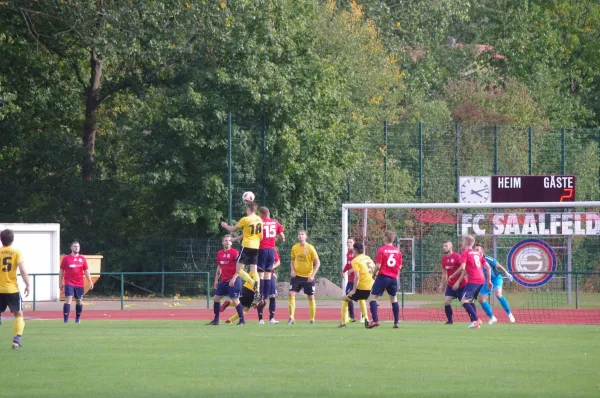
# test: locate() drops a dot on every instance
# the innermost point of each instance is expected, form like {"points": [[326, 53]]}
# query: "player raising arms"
{"points": [[470, 265], [230, 284], [388, 263], [271, 229], [73, 267], [11, 259], [303, 268], [496, 268], [450, 263], [251, 227], [363, 268], [350, 284]]}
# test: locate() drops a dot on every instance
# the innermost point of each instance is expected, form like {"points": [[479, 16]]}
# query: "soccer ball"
{"points": [[248, 197]]}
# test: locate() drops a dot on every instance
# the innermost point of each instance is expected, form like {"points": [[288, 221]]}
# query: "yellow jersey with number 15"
{"points": [[251, 227], [10, 258], [365, 267]]}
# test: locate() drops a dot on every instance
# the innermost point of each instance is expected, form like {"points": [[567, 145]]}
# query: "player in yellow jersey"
{"points": [[251, 227], [11, 259], [363, 268], [304, 266]]}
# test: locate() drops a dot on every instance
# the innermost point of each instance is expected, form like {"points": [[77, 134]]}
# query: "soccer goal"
{"points": [[551, 249]]}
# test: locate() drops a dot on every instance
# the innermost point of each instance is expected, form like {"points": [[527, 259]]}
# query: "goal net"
{"points": [[552, 250]]}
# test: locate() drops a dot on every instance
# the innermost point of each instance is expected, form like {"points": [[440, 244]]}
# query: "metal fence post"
{"points": [[457, 132], [263, 133], [576, 290], [563, 157], [229, 170], [529, 149], [122, 291], [207, 290], [495, 150], [385, 158], [421, 161], [162, 266], [34, 285]]}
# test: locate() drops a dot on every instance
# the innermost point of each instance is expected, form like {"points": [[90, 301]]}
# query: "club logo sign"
{"points": [[532, 262]]}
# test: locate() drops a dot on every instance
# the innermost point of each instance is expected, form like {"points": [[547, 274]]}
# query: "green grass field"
{"points": [[185, 359]]}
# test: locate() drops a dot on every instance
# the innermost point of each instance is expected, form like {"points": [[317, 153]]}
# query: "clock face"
{"points": [[474, 190]]}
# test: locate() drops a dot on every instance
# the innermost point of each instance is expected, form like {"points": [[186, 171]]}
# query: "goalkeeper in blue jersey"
{"points": [[496, 269]]}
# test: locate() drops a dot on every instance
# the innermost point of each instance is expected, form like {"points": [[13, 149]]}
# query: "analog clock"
{"points": [[475, 190]]}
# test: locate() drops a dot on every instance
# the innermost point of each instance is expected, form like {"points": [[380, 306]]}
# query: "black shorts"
{"points": [[12, 301], [360, 295], [248, 256], [247, 297], [299, 282]]}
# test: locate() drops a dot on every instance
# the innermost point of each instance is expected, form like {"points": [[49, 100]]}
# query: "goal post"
{"points": [[551, 248]]}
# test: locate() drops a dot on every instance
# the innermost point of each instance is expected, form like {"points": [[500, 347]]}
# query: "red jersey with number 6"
{"points": [[348, 267], [271, 228], [390, 258], [472, 259], [73, 268], [450, 263], [227, 261]]}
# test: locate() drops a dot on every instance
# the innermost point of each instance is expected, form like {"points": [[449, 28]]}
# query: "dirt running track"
{"points": [[524, 316]]}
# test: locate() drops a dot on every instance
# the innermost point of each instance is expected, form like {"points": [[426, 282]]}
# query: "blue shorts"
{"points": [[496, 283], [471, 290], [349, 287], [223, 289], [266, 259], [457, 294], [385, 283], [74, 291]]}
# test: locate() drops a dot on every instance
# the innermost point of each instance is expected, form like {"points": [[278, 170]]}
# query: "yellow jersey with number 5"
{"points": [[251, 227], [10, 258], [365, 267]]}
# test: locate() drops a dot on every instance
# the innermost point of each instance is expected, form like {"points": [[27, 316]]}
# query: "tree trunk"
{"points": [[92, 95]]}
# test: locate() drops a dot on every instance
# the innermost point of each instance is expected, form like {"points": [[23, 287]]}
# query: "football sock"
{"points": [[504, 304], [487, 309], [262, 285], [363, 308], [344, 312], [474, 311], [66, 310], [266, 288], [351, 309], [78, 311], [217, 310], [234, 317], [396, 311], [469, 309], [259, 310], [272, 307], [240, 311], [448, 310], [373, 305], [245, 276], [312, 308], [292, 305], [18, 326]]}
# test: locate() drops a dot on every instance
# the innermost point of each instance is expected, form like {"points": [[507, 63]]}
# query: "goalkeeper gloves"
{"points": [[510, 277]]}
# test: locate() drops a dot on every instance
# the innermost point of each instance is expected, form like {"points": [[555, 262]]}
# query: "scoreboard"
{"points": [[516, 189], [549, 188]]}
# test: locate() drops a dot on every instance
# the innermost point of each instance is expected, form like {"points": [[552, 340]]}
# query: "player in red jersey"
{"points": [[450, 263], [350, 283], [388, 263], [266, 251], [72, 268], [470, 265], [226, 269]]}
